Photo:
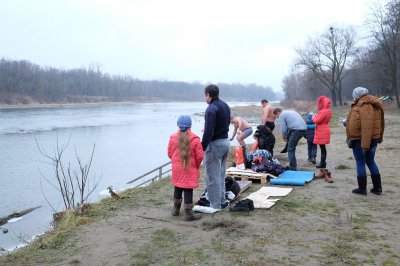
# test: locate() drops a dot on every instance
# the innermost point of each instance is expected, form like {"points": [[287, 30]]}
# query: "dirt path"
{"points": [[318, 224]]}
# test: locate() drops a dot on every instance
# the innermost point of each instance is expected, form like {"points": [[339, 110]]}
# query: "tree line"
{"points": [[334, 63], [25, 82]]}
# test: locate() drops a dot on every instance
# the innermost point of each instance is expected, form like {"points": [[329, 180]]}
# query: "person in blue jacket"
{"points": [[310, 132]]}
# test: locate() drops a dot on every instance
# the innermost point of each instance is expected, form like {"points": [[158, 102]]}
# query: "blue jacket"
{"points": [[217, 119], [310, 132]]}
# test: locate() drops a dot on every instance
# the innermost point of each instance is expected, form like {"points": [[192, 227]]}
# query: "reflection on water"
{"points": [[130, 140]]}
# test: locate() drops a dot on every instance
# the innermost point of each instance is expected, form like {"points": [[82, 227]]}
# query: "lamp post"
{"points": [[335, 67]]}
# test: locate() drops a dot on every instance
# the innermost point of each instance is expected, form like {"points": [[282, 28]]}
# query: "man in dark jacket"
{"points": [[216, 146]]}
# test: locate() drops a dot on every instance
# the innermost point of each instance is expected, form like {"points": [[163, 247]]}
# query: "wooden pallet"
{"points": [[255, 179], [248, 174]]}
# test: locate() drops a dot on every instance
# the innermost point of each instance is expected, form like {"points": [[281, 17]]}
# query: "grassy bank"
{"points": [[60, 241]]}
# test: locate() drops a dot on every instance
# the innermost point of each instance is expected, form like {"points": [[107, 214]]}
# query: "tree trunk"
{"points": [[333, 93]]}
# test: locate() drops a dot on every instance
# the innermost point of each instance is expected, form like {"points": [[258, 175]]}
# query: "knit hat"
{"points": [[359, 91], [184, 122]]}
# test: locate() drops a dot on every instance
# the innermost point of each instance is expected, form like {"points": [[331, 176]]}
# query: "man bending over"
{"points": [[241, 128]]}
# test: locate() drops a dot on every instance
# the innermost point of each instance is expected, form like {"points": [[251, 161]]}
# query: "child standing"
{"points": [[310, 132], [322, 129], [186, 153]]}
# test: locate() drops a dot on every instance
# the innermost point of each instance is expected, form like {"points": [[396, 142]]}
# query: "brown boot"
{"points": [[189, 216], [321, 174], [177, 206], [328, 177]]}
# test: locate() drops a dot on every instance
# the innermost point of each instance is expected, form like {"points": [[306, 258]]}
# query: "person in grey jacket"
{"points": [[293, 128], [216, 146]]}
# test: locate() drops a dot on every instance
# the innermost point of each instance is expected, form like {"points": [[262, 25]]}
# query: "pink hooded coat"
{"points": [[321, 120], [185, 177]]}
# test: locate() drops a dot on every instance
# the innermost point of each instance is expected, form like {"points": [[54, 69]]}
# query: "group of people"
{"points": [[364, 127], [314, 127]]}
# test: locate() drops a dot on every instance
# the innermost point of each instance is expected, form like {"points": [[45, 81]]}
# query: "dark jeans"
{"points": [[293, 140], [312, 150], [365, 158], [187, 194]]}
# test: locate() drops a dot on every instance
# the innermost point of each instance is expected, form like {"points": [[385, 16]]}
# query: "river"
{"points": [[130, 139]]}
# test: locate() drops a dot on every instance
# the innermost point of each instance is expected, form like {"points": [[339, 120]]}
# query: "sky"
{"points": [[205, 41]]}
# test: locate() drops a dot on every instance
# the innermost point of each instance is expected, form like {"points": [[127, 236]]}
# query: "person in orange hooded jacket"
{"points": [[322, 135], [186, 153]]}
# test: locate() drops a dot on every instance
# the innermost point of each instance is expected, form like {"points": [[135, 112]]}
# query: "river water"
{"points": [[130, 139]]}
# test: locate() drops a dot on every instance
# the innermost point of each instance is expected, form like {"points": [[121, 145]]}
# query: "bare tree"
{"points": [[302, 85], [291, 86], [369, 71], [327, 56], [384, 24], [73, 185]]}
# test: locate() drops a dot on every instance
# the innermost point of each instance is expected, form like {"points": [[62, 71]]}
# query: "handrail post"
{"points": [[160, 173]]}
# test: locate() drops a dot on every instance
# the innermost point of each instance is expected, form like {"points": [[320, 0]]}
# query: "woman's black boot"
{"points": [[376, 182], [362, 186]]}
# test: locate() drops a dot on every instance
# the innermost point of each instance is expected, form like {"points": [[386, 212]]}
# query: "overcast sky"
{"points": [[207, 41]]}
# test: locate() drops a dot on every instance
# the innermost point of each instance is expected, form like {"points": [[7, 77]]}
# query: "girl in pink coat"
{"points": [[322, 131], [186, 153]]}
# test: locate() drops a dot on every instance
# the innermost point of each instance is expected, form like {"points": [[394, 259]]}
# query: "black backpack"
{"points": [[266, 139]]}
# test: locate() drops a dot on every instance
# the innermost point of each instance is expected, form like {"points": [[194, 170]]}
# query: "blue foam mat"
{"points": [[287, 182], [293, 178]]}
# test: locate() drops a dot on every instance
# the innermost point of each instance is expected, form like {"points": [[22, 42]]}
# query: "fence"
{"points": [[159, 175]]}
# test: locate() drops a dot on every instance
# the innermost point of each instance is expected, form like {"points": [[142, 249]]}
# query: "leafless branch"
{"points": [[73, 185]]}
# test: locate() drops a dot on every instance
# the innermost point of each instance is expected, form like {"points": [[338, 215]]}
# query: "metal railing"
{"points": [[158, 175]]}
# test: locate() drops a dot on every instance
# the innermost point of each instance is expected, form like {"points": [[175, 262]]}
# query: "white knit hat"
{"points": [[359, 91]]}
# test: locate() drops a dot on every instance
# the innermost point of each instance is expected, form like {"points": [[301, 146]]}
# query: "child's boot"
{"points": [[189, 216], [322, 164], [177, 207]]}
